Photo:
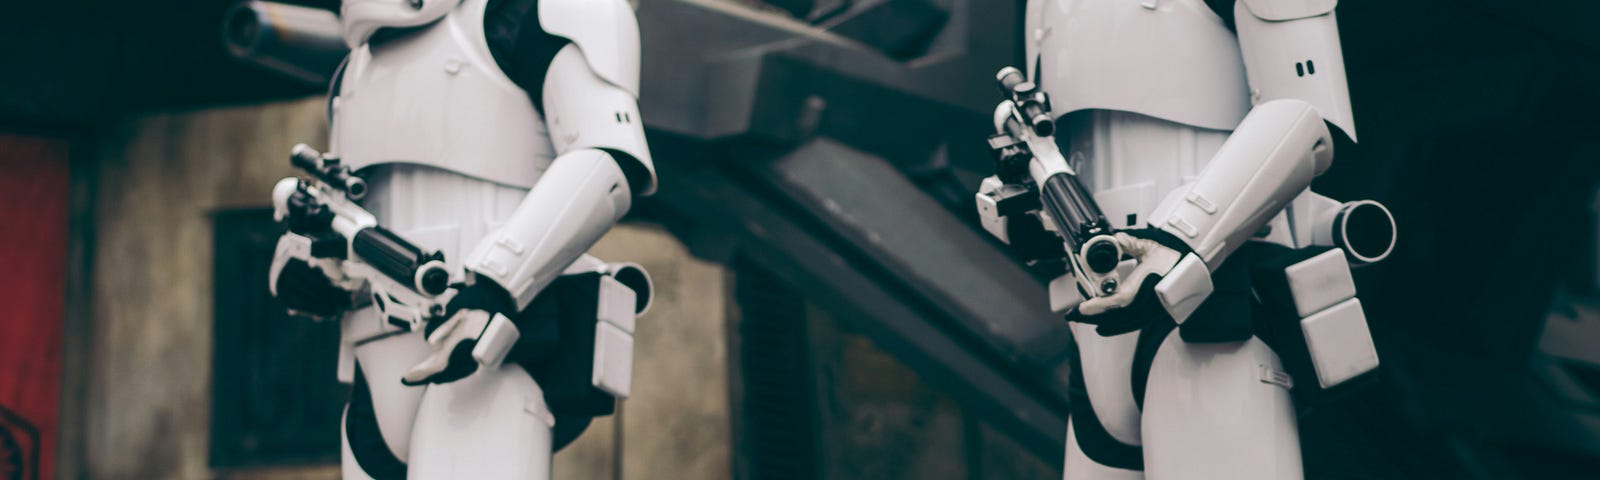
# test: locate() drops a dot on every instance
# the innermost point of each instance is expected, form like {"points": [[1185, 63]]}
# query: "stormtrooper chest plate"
{"points": [[1174, 60], [436, 97]]}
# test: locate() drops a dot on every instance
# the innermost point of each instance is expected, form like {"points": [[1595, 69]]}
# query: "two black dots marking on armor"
{"points": [[1303, 69], [623, 117]]}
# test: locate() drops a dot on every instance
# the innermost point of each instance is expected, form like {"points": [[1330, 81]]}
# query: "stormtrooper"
{"points": [[1165, 149], [490, 143]]}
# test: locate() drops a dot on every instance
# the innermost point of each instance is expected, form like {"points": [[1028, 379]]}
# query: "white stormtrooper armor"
{"points": [[1198, 139], [511, 186]]}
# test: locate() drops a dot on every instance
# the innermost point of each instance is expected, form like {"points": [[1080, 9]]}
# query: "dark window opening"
{"points": [[774, 416], [275, 395]]}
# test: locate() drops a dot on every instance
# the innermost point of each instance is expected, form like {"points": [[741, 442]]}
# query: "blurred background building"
{"points": [[828, 307]]}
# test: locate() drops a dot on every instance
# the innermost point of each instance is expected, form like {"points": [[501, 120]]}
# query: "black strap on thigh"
{"points": [[1093, 439], [557, 350], [1144, 356], [366, 443], [1225, 316]]}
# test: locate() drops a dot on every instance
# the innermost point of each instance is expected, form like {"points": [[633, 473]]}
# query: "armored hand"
{"points": [[308, 286], [476, 331], [1167, 281]]}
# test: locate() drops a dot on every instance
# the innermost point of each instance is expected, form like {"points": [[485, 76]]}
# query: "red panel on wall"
{"points": [[33, 248]]}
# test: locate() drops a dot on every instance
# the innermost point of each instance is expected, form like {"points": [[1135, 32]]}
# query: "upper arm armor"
{"points": [[1291, 50], [584, 110], [605, 30]]}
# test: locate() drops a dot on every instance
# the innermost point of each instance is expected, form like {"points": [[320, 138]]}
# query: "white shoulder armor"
{"points": [[1174, 60], [584, 110], [1291, 50], [605, 30]]}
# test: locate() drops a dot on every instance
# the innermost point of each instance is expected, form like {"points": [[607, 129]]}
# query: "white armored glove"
{"points": [[1154, 261], [1138, 301], [476, 332]]}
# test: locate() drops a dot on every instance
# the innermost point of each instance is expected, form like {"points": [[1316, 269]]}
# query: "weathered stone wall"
{"points": [[157, 180]]}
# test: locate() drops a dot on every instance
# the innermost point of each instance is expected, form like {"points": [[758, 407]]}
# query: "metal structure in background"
{"points": [[298, 41], [836, 156]]}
